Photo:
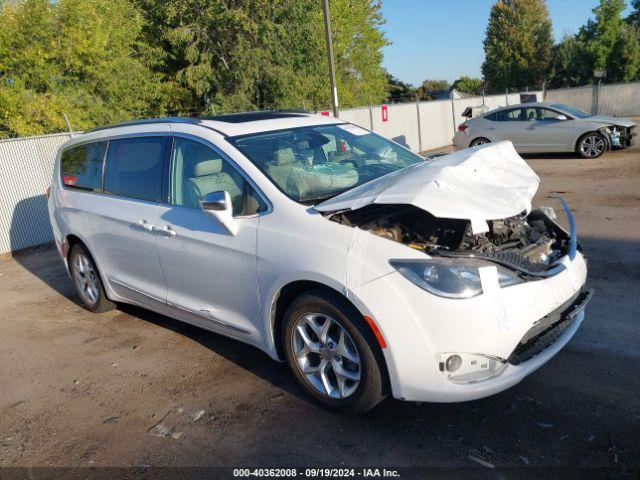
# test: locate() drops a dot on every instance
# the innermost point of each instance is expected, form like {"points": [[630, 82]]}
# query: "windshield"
{"points": [[574, 112], [314, 163]]}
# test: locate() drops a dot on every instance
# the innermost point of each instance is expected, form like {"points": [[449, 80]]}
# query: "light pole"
{"points": [[332, 73]]}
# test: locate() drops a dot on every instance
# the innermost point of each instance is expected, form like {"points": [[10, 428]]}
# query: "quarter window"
{"points": [[81, 166], [134, 167], [197, 170]]}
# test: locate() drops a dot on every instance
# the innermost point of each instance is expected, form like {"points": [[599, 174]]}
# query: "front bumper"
{"points": [[419, 328]]}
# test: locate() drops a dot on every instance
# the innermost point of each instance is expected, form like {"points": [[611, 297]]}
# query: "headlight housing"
{"points": [[451, 277]]}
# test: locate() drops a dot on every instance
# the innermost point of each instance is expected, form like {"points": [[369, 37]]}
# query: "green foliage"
{"points": [[399, 91], [102, 61], [607, 42], [248, 54], [429, 87], [570, 65], [79, 57], [518, 44], [470, 85]]}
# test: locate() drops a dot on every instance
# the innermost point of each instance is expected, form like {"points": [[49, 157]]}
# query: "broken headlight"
{"points": [[451, 277]]}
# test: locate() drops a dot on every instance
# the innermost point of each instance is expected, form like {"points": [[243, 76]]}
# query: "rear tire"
{"points": [[86, 280], [591, 145], [479, 141], [330, 352]]}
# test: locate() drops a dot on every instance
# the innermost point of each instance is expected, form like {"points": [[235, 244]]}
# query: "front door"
{"points": [[210, 273], [547, 133]]}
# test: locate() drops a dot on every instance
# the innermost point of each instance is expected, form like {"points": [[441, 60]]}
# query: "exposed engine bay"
{"points": [[527, 243], [619, 137]]}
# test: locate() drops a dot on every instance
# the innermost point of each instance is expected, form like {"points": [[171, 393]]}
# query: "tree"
{"points": [[78, 57], [571, 66], [429, 87], [470, 85], [398, 90], [518, 44], [248, 54], [610, 43], [633, 20]]}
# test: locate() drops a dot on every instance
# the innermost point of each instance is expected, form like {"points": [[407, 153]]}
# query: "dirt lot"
{"points": [[132, 388]]}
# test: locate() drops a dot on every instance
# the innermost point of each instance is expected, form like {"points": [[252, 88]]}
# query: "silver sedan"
{"points": [[547, 127]]}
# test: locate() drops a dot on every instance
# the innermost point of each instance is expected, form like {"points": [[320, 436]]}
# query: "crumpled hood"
{"points": [[623, 122], [483, 183]]}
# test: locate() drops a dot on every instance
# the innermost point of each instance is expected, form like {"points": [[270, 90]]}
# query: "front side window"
{"points": [[546, 114], [312, 163], [81, 166], [197, 170], [134, 167]]}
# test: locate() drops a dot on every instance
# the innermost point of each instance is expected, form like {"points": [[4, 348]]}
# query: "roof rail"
{"points": [[236, 117], [146, 121]]}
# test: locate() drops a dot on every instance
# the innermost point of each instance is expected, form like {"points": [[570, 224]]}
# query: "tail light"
{"points": [[462, 127], [69, 180], [47, 192]]}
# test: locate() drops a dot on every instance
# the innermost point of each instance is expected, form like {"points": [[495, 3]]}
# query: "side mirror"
{"points": [[218, 205], [561, 117]]}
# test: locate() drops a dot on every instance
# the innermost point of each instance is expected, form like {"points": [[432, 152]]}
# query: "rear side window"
{"points": [[81, 166], [134, 167], [513, 115]]}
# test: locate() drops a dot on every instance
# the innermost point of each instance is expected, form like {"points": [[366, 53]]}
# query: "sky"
{"points": [[443, 40]]}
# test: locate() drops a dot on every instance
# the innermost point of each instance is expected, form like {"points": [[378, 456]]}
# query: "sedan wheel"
{"points": [[479, 141], [326, 355], [592, 145]]}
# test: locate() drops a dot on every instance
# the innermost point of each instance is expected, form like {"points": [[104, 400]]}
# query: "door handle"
{"points": [[491, 128], [531, 128], [143, 224], [166, 231]]}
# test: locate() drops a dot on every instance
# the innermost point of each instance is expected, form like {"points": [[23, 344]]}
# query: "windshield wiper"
{"points": [[314, 200]]}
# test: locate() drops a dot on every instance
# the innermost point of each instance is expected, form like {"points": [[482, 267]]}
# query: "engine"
{"points": [[526, 242]]}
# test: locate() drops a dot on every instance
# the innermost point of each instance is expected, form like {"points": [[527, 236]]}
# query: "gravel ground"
{"points": [[132, 388]]}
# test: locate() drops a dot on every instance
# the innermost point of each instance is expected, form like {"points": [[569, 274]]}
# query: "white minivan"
{"points": [[367, 268]]}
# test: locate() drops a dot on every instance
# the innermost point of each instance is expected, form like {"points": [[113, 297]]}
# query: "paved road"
{"points": [[131, 388]]}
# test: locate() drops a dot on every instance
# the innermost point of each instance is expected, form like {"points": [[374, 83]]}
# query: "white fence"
{"points": [[618, 99], [424, 125], [26, 163], [25, 173]]}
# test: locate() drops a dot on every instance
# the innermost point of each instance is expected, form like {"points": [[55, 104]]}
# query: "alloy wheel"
{"points": [[592, 146], [326, 355], [479, 141], [86, 279]]}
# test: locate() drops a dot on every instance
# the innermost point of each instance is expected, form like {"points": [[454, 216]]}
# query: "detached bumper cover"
{"points": [[549, 329]]}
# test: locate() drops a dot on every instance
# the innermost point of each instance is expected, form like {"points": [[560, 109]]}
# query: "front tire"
{"points": [[479, 141], [591, 145], [87, 281], [330, 352]]}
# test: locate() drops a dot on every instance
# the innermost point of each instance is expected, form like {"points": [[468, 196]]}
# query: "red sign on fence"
{"points": [[385, 113]]}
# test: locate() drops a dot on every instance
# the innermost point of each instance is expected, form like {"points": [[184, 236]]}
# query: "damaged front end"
{"points": [[465, 211], [530, 244], [619, 136]]}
